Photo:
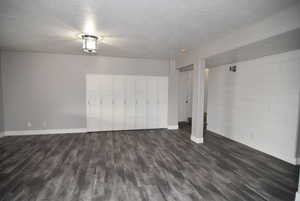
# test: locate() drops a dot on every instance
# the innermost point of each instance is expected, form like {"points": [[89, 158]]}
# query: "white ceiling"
{"points": [[132, 28]]}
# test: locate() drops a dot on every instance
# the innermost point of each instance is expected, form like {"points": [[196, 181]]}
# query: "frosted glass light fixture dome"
{"points": [[89, 43]]}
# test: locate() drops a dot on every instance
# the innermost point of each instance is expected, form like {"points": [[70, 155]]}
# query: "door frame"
{"points": [[181, 70]]}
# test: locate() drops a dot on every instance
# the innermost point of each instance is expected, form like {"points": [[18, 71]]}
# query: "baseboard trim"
{"points": [[173, 127], [290, 160], [45, 132], [197, 140], [298, 163], [2, 134]]}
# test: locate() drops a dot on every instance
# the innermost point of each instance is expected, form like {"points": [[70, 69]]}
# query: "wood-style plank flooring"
{"points": [[156, 165]]}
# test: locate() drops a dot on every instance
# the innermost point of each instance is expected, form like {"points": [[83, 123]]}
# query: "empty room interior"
{"points": [[149, 100]]}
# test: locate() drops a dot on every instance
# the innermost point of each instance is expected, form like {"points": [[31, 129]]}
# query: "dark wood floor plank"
{"points": [[144, 165]]}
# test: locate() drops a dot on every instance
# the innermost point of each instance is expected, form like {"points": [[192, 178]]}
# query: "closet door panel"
{"points": [[151, 103], [105, 85], [130, 103], [126, 102], [140, 107], [92, 103], [162, 102], [118, 102]]}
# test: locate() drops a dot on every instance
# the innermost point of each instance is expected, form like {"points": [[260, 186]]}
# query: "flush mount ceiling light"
{"points": [[183, 50], [89, 43]]}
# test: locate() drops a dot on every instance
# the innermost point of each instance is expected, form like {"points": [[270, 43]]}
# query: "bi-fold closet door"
{"points": [[119, 102]]}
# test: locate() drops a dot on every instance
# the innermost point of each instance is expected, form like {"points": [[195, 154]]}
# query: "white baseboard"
{"points": [[1, 134], [297, 161], [45, 132], [172, 127], [291, 160], [197, 140]]}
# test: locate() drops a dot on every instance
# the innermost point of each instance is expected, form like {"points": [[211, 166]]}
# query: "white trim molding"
{"points": [[197, 140], [288, 159], [297, 161], [45, 132], [173, 127], [198, 101], [2, 134]]}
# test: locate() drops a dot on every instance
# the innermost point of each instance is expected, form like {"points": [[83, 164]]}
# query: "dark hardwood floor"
{"points": [[155, 165]]}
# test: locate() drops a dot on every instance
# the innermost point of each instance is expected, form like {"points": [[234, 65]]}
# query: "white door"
{"points": [[126, 102], [93, 104], [162, 101], [130, 103], [140, 104], [106, 86], [118, 102], [185, 95], [151, 103]]}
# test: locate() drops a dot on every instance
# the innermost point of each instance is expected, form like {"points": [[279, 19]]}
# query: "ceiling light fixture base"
{"points": [[89, 43]]}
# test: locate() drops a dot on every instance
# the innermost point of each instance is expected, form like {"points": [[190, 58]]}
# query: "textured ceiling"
{"points": [[132, 28]]}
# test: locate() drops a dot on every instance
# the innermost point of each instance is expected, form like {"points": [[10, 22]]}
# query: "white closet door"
{"points": [[105, 85], [162, 101], [140, 107], [130, 103], [118, 102], [92, 103], [126, 102], [151, 103]]}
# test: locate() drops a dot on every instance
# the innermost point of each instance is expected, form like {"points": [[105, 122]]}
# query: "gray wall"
{"points": [[1, 99], [48, 90]]}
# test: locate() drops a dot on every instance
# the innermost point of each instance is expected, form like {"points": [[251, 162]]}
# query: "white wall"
{"points": [[50, 88], [259, 104], [284, 21]]}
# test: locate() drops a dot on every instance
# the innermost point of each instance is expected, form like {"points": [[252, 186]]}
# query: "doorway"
{"points": [[185, 96]]}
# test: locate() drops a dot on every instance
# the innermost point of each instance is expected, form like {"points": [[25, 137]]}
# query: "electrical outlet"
{"points": [[45, 124], [29, 124]]}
